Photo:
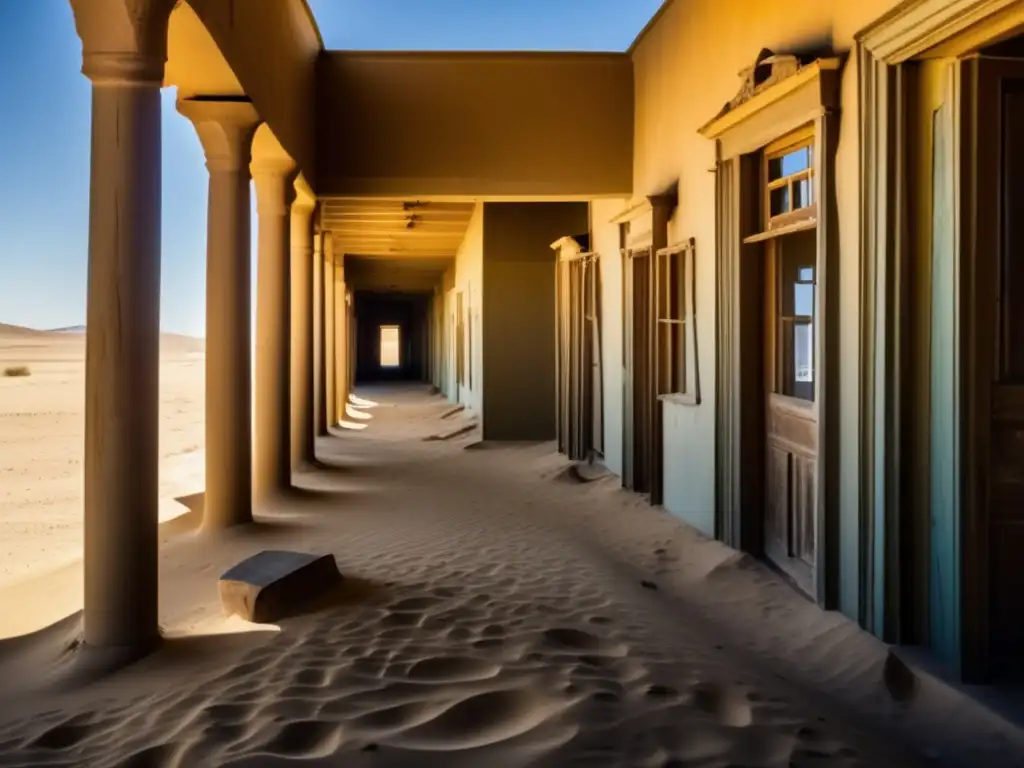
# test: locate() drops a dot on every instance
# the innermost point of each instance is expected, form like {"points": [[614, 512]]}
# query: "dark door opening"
{"points": [[392, 336]]}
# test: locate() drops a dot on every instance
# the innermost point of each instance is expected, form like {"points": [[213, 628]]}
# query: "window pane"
{"points": [[801, 194], [797, 257], [779, 201], [675, 308], [803, 352], [803, 300], [788, 164], [679, 356]]}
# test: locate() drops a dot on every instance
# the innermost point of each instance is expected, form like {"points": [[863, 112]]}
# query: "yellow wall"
{"points": [[468, 278], [605, 241], [686, 69], [519, 315], [475, 124]]}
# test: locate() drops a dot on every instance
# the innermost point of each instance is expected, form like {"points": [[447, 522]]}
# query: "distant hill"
{"points": [[175, 340], [18, 330]]}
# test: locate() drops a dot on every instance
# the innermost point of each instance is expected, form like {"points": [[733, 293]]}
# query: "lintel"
{"points": [[781, 107], [633, 211], [682, 245]]}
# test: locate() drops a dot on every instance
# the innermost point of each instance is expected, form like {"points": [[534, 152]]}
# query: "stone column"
{"points": [[319, 388], [302, 446], [274, 179], [330, 328], [225, 130], [124, 49]]}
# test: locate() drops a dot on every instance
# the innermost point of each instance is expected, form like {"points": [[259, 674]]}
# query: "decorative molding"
{"points": [[916, 26], [767, 70], [777, 96], [632, 211]]}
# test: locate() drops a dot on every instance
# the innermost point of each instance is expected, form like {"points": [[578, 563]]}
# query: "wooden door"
{"points": [[592, 312], [577, 359], [994, 574], [628, 429], [640, 399], [791, 422]]}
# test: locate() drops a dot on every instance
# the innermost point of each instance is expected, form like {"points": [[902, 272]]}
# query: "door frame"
{"points": [[643, 231], [578, 381], [979, 330], [914, 29], [776, 98]]}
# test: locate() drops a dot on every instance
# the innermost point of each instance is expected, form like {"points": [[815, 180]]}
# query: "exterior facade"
{"points": [[761, 266]]}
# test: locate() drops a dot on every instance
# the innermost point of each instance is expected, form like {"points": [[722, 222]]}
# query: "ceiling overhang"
{"points": [[394, 228]]}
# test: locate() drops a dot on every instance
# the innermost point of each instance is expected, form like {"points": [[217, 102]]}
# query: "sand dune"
{"points": [[494, 615], [42, 439]]}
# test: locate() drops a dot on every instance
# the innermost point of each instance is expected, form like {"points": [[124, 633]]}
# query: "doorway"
{"points": [[993, 368], [643, 231], [390, 346], [578, 352], [791, 419], [638, 385]]}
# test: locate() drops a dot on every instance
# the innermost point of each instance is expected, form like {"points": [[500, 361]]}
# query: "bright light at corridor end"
{"points": [[389, 357]]}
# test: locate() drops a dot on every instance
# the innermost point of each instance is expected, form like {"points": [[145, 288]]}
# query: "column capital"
{"points": [[225, 127], [303, 206], [124, 42], [274, 181]]}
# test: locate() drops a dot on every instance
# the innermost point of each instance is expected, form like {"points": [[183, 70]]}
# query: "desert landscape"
{"points": [[42, 443], [498, 609]]}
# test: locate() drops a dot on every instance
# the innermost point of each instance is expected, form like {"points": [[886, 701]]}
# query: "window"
{"points": [[676, 335], [390, 356], [789, 180], [796, 284]]}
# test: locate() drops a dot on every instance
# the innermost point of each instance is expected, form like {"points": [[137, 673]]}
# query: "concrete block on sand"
{"points": [[274, 584]]}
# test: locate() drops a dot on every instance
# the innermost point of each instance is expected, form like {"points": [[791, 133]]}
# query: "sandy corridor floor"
{"points": [[501, 614]]}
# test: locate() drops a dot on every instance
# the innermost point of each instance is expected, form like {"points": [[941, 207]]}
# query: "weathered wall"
{"points": [[685, 70], [605, 241], [272, 47], [475, 123], [468, 278], [519, 315]]}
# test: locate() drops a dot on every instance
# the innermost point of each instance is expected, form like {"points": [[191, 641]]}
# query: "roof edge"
{"points": [[312, 20], [649, 26], [496, 53]]}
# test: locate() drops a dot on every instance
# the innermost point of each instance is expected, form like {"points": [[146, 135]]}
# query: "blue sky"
{"points": [[44, 126]]}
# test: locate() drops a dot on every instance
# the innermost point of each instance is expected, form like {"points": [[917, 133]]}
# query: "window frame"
{"points": [[678, 379], [802, 138]]}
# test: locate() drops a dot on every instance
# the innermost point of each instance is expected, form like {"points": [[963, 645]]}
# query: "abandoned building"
{"points": [[763, 265]]}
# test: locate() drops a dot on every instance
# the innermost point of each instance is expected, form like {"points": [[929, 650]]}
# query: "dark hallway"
{"points": [[392, 332]]}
